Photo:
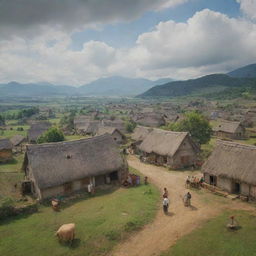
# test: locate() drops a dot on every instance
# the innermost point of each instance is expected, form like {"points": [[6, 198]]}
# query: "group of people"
{"points": [[194, 180], [186, 199]]}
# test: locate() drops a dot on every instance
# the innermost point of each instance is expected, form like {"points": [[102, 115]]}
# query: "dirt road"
{"points": [[164, 231]]}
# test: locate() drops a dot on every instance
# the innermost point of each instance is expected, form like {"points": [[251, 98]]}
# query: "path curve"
{"points": [[164, 231]]}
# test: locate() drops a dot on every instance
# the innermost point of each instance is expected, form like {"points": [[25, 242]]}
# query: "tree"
{"points": [[53, 134], [196, 124], [130, 126], [67, 121], [2, 120]]}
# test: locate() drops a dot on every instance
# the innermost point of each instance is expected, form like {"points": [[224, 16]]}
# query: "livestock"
{"points": [[66, 232]]}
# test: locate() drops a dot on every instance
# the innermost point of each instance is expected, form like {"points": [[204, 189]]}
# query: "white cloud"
{"points": [[208, 42], [248, 7]]}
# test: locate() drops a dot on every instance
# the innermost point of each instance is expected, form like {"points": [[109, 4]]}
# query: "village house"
{"points": [[250, 118], [232, 167], [173, 149], [117, 123], [18, 142], [36, 130], [228, 129], [65, 167], [118, 136], [81, 123], [151, 119], [139, 134], [5, 150]]}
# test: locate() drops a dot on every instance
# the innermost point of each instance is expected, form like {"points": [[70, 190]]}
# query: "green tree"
{"points": [[51, 135], [130, 126], [2, 120], [196, 124]]}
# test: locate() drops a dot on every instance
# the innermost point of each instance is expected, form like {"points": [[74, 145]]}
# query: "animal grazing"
{"points": [[66, 232]]}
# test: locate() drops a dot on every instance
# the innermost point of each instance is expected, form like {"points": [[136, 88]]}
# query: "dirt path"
{"points": [[165, 230]]}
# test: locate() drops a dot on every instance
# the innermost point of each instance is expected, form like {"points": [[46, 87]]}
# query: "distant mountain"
{"points": [[203, 85], [111, 86], [119, 86], [248, 71], [14, 89]]}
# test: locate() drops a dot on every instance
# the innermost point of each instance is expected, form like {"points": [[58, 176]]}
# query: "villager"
{"points": [[166, 193], [187, 199], [89, 187], [146, 180], [55, 204], [187, 181], [165, 205]]}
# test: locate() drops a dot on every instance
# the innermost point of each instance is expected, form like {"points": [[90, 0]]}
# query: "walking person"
{"points": [[187, 199], [165, 205], [166, 193]]}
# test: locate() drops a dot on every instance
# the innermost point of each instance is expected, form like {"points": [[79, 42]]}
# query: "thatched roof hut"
{"points": [[17, 140], [163, 142], [151, 119], [5, 144], [52, 165], [36, 130], [174, 149], [5, 150], [227, 126], [117, 123], [232, 160], [140, 133], [117, 135]]}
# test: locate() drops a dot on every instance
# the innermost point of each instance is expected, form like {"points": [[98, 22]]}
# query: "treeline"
{"points": [[20, 114]]}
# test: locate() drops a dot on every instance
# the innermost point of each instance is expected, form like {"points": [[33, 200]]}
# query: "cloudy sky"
{"points": [[75, 42]]}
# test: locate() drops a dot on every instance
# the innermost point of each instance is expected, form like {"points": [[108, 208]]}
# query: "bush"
{"points": [[51, 135], [130, 126]]}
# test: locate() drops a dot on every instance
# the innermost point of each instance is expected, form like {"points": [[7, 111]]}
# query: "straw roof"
{"points": [[5, 144], [151, 119], [227, 126], [110, 130], [36, 129], [54, 164], [117, 123], [17, 140], [162, 142], [232, 160], [140, 133]]}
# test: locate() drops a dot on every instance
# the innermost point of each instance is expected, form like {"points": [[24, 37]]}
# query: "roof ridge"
{"points": [[235, 144]]}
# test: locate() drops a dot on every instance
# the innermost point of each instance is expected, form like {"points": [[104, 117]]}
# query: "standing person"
{"points": [[146, 180], [165, 205], [187, 199], [166, 193], [89, 187]]}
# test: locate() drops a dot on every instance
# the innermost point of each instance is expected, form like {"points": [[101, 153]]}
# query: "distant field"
{"points": [[101, 222], [214, 239], [14, 165]]}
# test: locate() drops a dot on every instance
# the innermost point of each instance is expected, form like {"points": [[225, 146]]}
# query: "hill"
{"points": [[119, 86], [204, 85], [111, 86], [248, 71]]}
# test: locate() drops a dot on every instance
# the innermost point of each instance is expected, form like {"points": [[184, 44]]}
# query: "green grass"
{"points": [[101, 222], [14, 165], [10, 133], [213, 238]]}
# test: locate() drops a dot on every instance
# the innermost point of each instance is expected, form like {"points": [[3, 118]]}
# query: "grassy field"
{"points": [[101, 222], [14, 165], [213, 238]]}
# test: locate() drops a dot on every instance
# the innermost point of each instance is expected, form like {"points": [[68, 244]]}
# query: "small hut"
{"points": [[232, 167], [117, 123], [36, 130], [5, 150], [151, 119], [228, 129], [18, 142], [118, 136], [173, 149], [65, 167]]}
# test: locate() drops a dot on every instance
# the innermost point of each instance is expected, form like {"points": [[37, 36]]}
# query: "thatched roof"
{"points": [[36, 129], [151, 119], [54, 164], [17, 140], [110, 130], [140, 133], [81, 122], [117, 123], [227, 126], [165, 143], [5, 144], [232, 160]]}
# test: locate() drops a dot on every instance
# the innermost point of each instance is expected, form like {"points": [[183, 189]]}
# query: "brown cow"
{"points": [[66, 232]]}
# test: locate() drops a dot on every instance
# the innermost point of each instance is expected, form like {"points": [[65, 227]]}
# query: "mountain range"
{"points": [[111, 86], [244, 77], [117, 86]]}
